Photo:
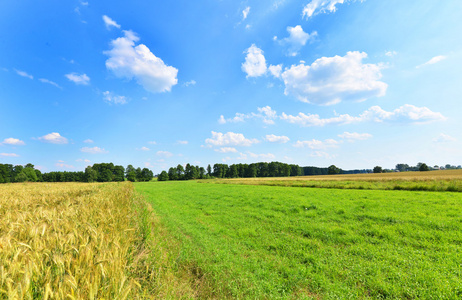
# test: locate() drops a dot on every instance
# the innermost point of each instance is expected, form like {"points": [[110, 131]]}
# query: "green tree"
{"points": [[30, 173], [180, 172], [163, 176], [129, 169], [90, 174], [21, 177], [423, 167], [209, 170], [377, 169], [172, 175], [131, 176], [332, 170]]}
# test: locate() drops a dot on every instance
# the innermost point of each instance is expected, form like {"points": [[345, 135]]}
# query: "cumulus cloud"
{"points": [[245, 13], [93, 150], [13, 142], [113, 98], [275, 70], [276, 139], [144, 149], [296, 40], [330, 80], [44, 80], [182, 142], [315, 7], [432, 61], [88, 141], [255, 62], [23, 74], [226, 150], [9, 155], [82, 79], [87, 161], [130, 61], [442, 138], [404, 114], [229, 139], [165, 154], [264, 113], [53, 138], [110, 22], [354, 136], [317, 144]]}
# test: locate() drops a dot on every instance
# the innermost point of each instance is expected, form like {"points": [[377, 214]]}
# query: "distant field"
{"points": [[443, 180], [266, 242]]}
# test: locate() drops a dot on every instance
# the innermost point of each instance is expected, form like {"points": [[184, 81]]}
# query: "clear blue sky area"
{"points": [[161, 83]]}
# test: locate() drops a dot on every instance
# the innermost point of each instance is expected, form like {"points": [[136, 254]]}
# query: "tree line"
{"points": [[102, 172], [261, 169]]}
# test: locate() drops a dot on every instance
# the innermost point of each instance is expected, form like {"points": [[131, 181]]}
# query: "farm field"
{"points": [[81, 241], [258, 241], [442, 180]]}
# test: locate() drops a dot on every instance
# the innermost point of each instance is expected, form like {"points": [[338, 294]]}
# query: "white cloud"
{"points": [[53, 138], [191, 82], [87, 161], [9, 154], [226, 150], [63, 165], [24, 74], [354, 136], [78, 79], [404, 114], [229, 138], [391, 53], [315, 7], [129, 61], [110, 22], [113, 98], [152, 143], [245, 13], [296, 40], [144, 149], [44, 80], [317, 144], [275, 70], [267, 156], [442, 138], [94, 150], [276, 139], [321, 154], [330, 80], [255, 62], [88, 141], [265, 113], [13, 141], [165, 154], [182, 142], [432, 61]]}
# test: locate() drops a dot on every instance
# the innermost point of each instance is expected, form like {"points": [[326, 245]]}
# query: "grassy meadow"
{"points": [[258, 241]]}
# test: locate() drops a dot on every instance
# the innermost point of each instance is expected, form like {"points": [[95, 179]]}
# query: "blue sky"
{"points": [[160, 83]]}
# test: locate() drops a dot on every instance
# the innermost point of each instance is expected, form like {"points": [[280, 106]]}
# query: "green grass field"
{"points": [[251, 241]]}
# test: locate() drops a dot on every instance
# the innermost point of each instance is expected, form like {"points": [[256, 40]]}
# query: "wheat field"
{"points": [[66, 241]]}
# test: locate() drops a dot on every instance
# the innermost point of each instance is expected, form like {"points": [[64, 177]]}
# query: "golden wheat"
{"points": [[66, 241]]}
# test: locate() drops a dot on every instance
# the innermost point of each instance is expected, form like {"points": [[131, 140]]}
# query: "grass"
{"points": [[82, 241], [265, 242], [436, 181]]}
